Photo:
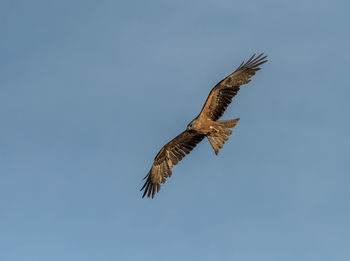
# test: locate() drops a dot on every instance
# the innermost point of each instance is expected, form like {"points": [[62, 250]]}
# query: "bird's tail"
{"points": [[228, 123], [221, 134]]}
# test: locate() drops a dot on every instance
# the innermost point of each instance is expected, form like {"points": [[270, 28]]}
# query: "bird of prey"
{"points": [[206, 124]]}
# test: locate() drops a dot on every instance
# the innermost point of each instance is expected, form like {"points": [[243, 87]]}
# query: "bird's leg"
{"points": [[215, 128]]}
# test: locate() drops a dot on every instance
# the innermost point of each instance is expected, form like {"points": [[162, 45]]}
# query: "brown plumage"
{"points": [[206, 124]]}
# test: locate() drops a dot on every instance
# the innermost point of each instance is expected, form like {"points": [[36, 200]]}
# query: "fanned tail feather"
{"points": [[228, 123], [218, 139]]}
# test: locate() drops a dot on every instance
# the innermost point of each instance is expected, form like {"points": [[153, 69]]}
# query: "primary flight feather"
{"points": [[206, 124]]}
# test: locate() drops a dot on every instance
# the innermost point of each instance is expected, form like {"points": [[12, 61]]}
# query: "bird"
{"points": [[206, 124]]}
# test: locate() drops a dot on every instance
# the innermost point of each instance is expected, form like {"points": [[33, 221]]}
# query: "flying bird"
{"points": [[206, 124]]}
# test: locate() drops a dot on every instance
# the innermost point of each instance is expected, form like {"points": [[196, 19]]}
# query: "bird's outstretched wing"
{"points": [[221, 95], [167, 157]]}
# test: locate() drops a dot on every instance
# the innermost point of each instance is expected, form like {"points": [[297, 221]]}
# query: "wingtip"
{"points": [[263, 58], [150, 189], [144, 194]]}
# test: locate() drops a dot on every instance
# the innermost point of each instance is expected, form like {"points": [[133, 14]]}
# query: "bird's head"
{"points": [[192, 125]]}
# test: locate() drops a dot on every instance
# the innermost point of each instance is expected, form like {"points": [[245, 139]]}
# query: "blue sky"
{"points": [[91, 90]]}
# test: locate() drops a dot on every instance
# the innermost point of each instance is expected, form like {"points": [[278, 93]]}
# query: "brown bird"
{"points": [[206, 124]]}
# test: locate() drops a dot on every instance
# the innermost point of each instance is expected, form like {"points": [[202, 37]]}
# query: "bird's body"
{"points": [[206, 124], [202, 124]]}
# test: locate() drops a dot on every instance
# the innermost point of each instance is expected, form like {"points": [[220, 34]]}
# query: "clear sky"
{"points": [[91, 90]]}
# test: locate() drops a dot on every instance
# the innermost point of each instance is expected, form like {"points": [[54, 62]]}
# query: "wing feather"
{"points": [[169, 156], [221, 95]]}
